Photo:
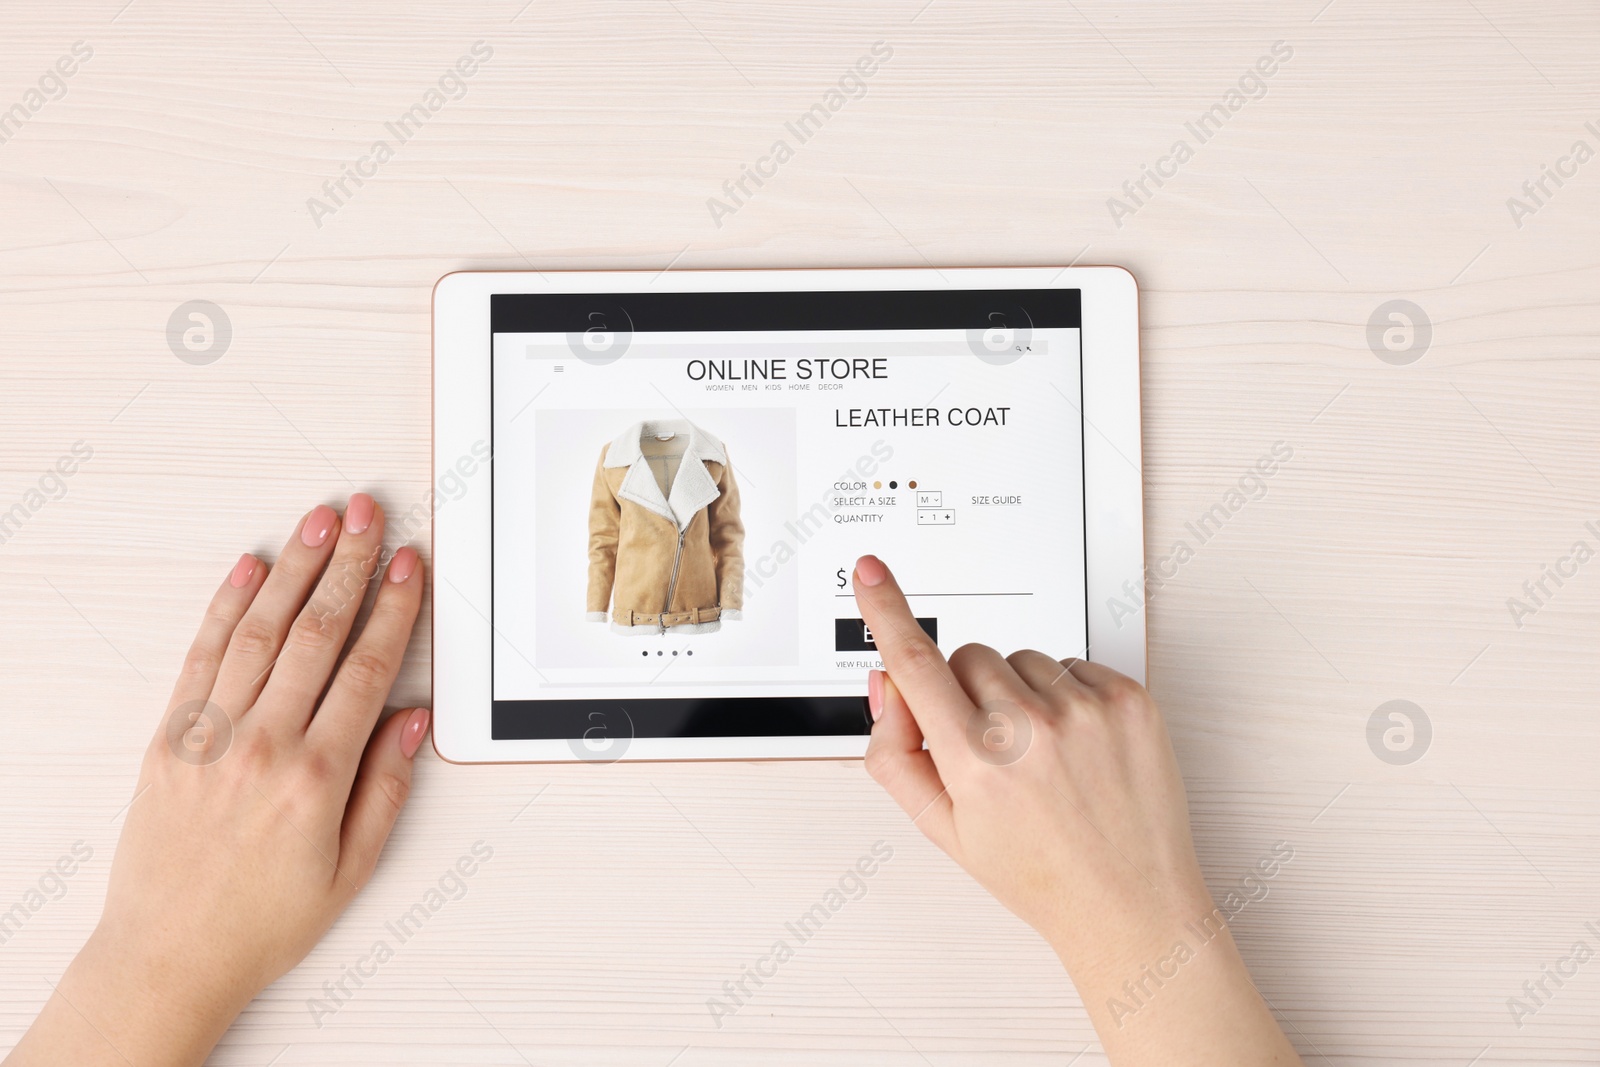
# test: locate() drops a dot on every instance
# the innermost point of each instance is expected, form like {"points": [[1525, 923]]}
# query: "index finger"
{"points": [[937, 701]]}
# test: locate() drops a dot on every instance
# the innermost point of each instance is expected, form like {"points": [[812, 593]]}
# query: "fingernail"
{"points": [[412, 732], [358, 513], [242, 571], [875, 693], [404, 562], [318, 525], [871, 571]]}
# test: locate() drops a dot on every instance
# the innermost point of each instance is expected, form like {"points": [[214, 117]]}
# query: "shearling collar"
{"points": [[692, 489], [624, 449]]}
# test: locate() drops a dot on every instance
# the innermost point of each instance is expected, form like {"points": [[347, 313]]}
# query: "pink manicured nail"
{"points": [[413, 731], [875, 693], [318, 525], [871, 571], [242, 571], [404, 562], [358, 513]]}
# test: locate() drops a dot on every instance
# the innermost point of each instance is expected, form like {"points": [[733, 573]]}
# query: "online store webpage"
{"points": [[677, 513]]}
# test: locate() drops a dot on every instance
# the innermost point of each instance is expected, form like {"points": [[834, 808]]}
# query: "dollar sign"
{"points": [[841, 577]]}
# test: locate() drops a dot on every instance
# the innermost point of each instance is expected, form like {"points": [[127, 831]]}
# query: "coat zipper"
{"points": [[672, 584]]}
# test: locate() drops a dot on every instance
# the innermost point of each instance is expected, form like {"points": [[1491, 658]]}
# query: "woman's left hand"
{"points": [[263, 801]]}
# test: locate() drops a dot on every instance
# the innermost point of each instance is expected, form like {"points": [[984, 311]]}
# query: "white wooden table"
{"points": [[1375, 164]]}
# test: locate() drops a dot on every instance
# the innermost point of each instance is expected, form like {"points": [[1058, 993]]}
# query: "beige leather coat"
{"points": [[666, 544]]}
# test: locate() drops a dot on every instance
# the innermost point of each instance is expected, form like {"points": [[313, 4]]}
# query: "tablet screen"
{"points": [[682, 483]]}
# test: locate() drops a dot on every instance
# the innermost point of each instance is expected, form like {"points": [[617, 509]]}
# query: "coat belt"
{"points": [[674, 618]]}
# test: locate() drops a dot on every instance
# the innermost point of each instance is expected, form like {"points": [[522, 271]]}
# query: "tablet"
{"points": [[650, 490]]}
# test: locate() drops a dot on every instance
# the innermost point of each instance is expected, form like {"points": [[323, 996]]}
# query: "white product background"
{"points": [[545, 472]]}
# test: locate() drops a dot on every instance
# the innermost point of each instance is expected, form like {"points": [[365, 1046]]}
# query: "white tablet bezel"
{"points": [[462, 634]]}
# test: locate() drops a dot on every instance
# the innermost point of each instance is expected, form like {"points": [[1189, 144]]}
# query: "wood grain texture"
{"points": [[1376, 166]]}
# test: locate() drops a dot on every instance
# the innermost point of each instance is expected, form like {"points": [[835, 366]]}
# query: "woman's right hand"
{"points": [[1053, 783]]}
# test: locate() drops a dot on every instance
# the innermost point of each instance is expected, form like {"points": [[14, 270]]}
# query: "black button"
{"points": [[851, 635]]}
